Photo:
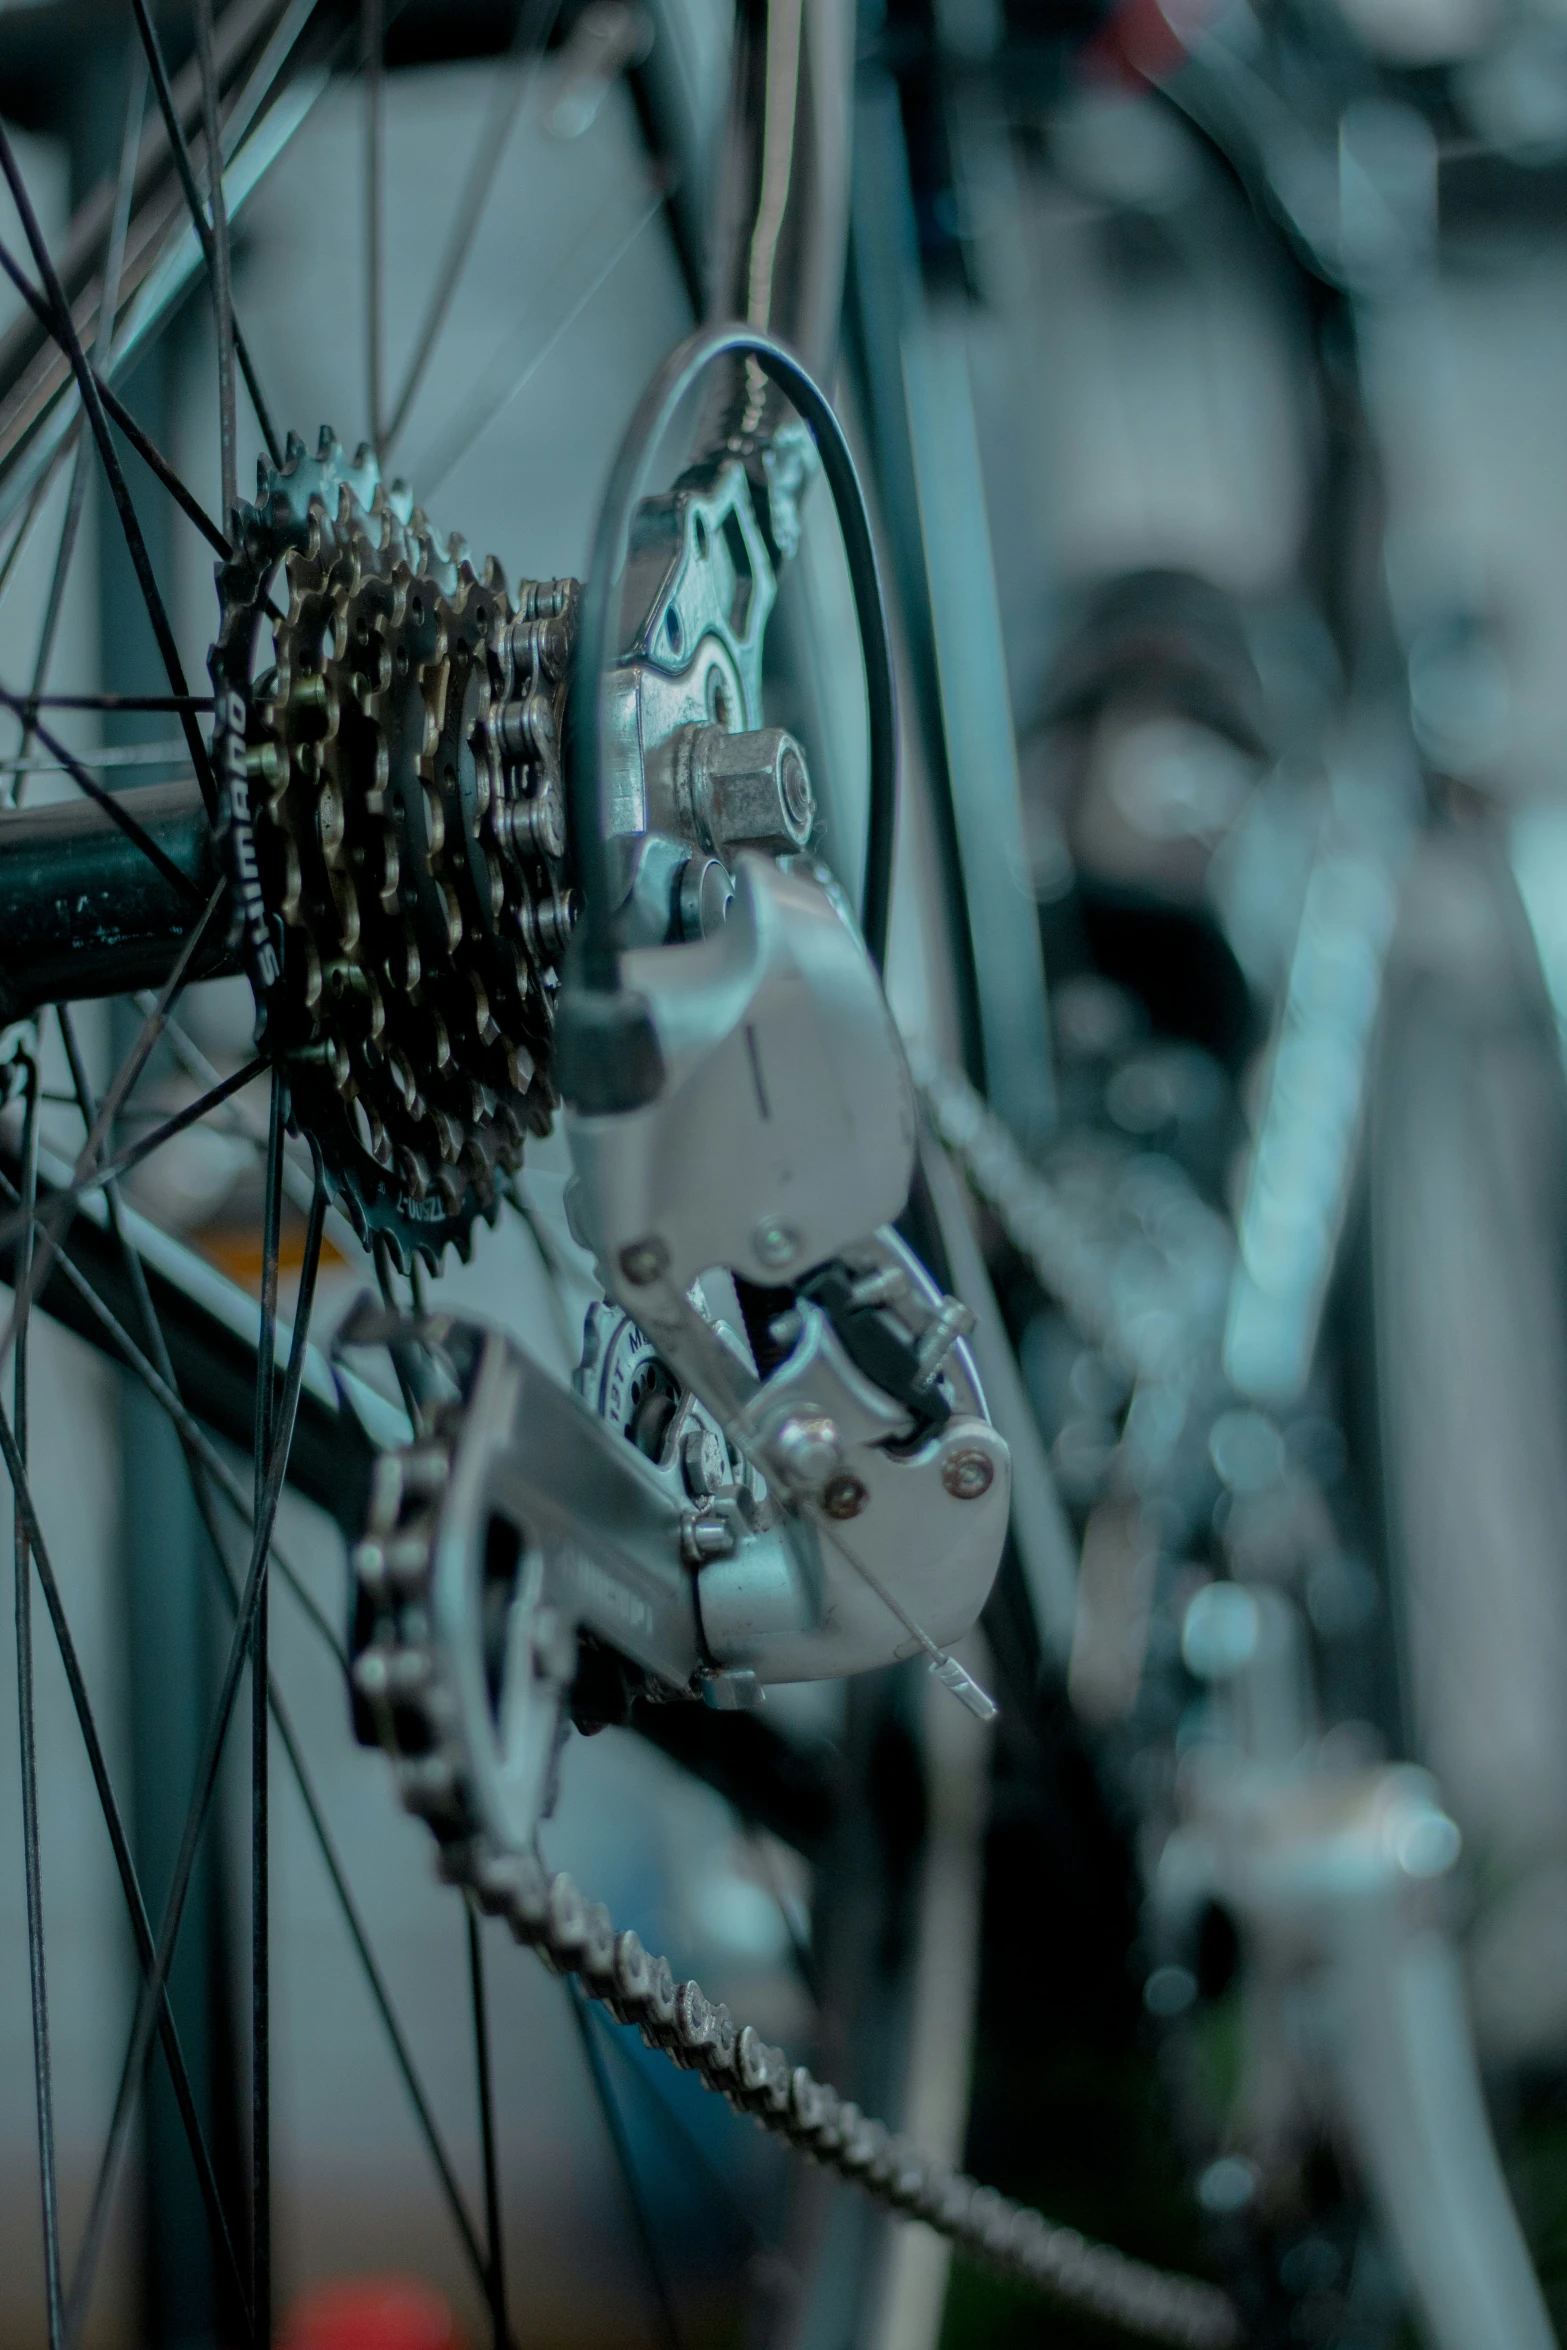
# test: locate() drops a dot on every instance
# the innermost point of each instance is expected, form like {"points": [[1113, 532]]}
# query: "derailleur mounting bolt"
{"points": [[967, 1473]]}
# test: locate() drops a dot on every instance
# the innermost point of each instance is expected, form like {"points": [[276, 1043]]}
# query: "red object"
{"points": [[372, 2313], [1144, 40]]}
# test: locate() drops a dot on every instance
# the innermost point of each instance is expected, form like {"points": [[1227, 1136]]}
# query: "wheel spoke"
{"points": [[194, 1062], [55, 1223], [405, 1358], [495, 2263], [109, 303], [157, 1378], [180, 151], [260, 1784], [372, 42], [658, 2283], [222, 277], [535, 23], [691, 2148], [484, 415], [376, 1984], [77, 1190], [120, 416], [206, 1780], [63, 326], [118, 1839], [204, 1456], [165, 754], [111, 803], [43, 2074], [158, 465], [207, 1464], [157, 702]]}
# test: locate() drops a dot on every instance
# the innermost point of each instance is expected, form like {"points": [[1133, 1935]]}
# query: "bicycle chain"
{"points": [[576, 1936], [404, 1703]]}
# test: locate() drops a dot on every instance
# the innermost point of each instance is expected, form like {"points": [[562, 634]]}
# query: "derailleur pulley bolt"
{"points": [[844, 1496], [967, 1472], [776, 1243]]}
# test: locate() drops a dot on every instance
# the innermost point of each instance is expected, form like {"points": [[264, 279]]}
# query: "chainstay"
{"points": [[578, 1937]]}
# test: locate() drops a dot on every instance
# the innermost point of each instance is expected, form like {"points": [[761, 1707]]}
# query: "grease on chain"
{"points": [[578, 1937]]}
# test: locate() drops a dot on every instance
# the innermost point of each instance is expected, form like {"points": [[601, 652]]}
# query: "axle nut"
{"points": [[967, 1473]]}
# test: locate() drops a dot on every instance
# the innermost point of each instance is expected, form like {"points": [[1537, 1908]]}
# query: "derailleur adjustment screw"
{"points": [[953, 1321], [806, 1447], [775, 1243], [844, 1496], [642, 1261], [967, 1472], [887, 1286]]}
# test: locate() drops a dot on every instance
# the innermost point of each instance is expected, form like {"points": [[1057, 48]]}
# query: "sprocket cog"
{"points": [[394, 825]]}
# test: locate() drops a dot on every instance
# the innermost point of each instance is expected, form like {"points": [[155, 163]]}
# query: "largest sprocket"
{"points": [[394, 825]]}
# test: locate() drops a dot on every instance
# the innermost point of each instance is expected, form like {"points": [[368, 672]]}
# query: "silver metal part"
{"points": [[786, 1115], [695, 600], [742, 791], [720, 1497], [892, 1550], [1353, 1983], [782, 1136], [476, 1575], [521, 1521]]}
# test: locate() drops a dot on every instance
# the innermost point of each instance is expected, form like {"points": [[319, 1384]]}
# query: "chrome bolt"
{"points": [[703, 1538], [642, 1261], [844, 1496], [775, 1243], [967, 1473], [806, 1447], [887, 1286], [795, 791], [952, 1322]]}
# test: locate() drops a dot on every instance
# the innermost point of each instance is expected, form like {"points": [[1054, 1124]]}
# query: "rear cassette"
{"points": [[394, 826]]}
